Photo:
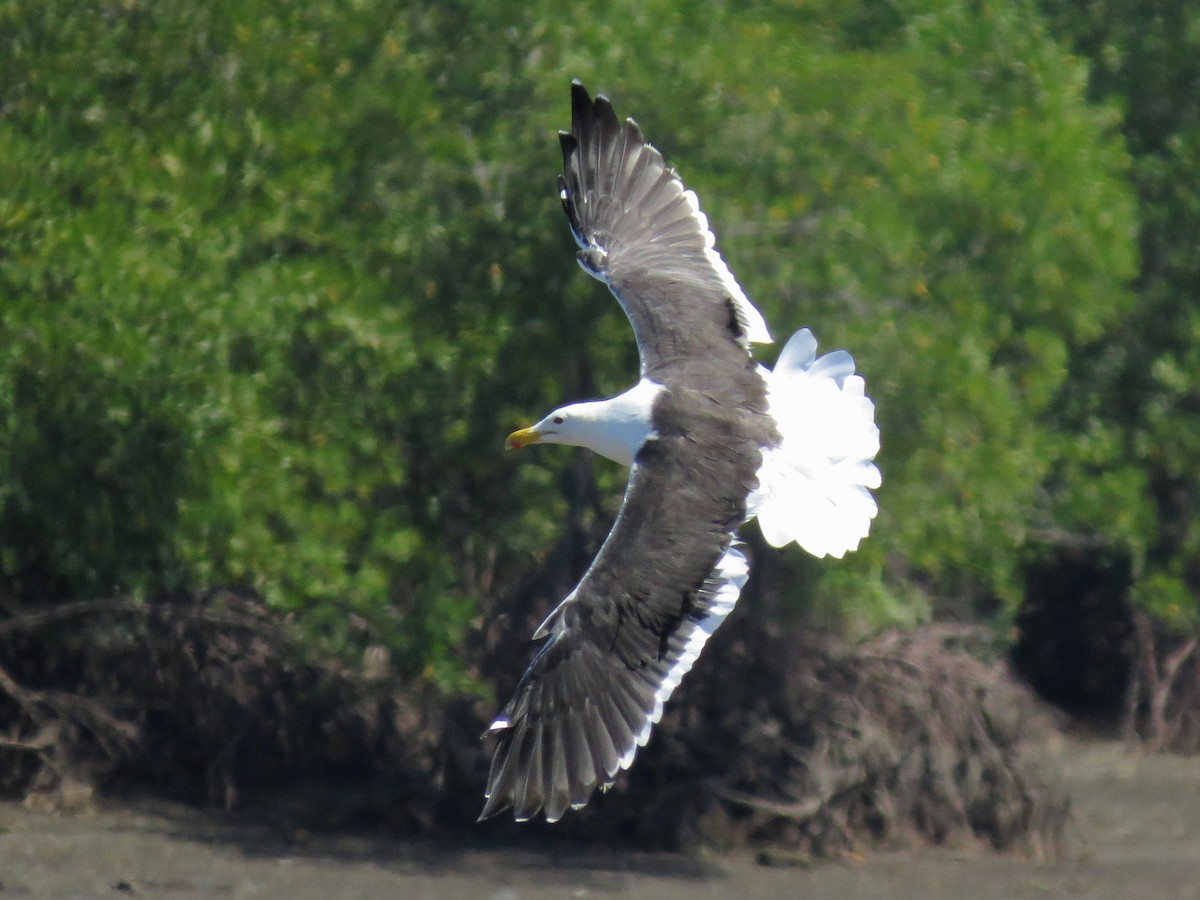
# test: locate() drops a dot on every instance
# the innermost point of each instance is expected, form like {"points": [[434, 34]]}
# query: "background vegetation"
{"points": [[277, 277]]}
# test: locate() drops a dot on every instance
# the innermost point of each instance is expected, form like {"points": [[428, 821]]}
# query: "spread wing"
{"points": [[617, 647], [668, 573], [642, 233]]}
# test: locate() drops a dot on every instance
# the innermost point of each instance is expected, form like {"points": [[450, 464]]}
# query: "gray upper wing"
{"points": [[618, 645], [642, 232]]}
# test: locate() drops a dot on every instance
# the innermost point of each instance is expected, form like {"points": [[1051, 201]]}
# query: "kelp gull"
{"points": [[712, 439]]}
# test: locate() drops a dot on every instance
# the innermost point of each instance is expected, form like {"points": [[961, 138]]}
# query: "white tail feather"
{"points": [[815, 487]]}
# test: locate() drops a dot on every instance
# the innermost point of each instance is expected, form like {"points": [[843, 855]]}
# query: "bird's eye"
{"points": [[558, 420]]}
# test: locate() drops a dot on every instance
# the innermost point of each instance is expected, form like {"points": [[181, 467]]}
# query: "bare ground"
{"points": [[1136, 833]]}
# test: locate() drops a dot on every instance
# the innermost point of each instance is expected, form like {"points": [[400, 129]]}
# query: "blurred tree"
{"points": [[278, 277], [1137, 470], [299, 238]]}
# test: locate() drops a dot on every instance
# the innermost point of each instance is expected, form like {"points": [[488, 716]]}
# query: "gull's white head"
{"points": [[615, 428]]}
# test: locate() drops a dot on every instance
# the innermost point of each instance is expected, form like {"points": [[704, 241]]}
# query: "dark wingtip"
{"points": [[487, 812], [604, 114], [499, 725], [568, 205], [586, 112], [567, 141], [579, 95]]}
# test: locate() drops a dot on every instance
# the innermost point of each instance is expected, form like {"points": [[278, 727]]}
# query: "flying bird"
{"points": [[712, 440]]}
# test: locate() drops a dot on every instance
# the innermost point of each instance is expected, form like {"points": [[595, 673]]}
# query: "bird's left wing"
{"points": [[641, 232]]}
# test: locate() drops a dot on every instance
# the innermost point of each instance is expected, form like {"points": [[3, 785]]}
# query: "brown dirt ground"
{"points": [[1136, 834]]}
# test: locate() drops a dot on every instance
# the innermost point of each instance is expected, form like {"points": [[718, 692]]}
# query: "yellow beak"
{"points": [[522, 438]]}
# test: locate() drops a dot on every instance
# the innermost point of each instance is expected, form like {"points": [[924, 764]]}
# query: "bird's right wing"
{"points": [[617, 647]]}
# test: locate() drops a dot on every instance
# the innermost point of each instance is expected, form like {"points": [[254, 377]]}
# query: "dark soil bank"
{"points": [[1136, 834]]}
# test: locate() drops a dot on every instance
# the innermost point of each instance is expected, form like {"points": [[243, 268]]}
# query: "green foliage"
{"points": [[278, 277], [254, 279], [1135, 472]]}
